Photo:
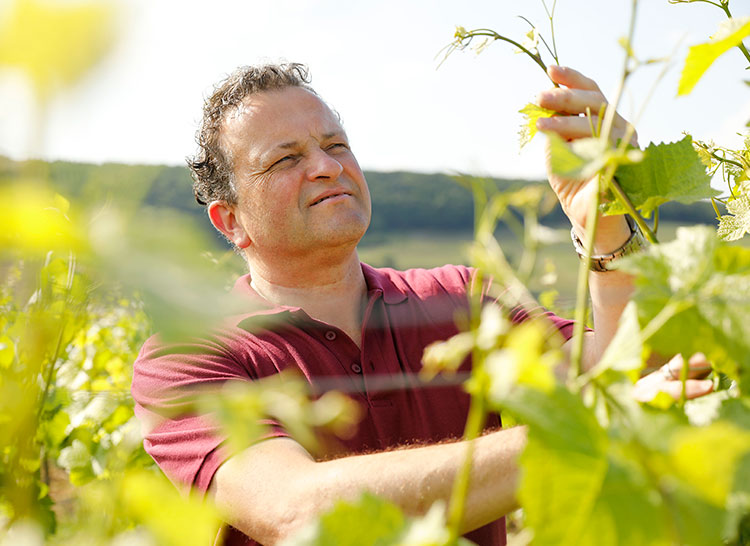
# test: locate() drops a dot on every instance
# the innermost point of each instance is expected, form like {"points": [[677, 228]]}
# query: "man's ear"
{"points": [[224, 218]]}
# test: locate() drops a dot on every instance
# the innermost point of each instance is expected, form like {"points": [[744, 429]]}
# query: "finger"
{"points": [[568, 127], [562, 75], [571, 101], [698, 366], [693, 388]]}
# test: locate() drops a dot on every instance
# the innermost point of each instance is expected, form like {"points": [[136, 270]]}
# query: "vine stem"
{"points": [[58, 345], [492, 34], [582, 286], [623, 198], [474, 424], [592, 218], [741, 46]]}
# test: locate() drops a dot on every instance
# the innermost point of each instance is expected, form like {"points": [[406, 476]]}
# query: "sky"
{"points": [[378, 64]]}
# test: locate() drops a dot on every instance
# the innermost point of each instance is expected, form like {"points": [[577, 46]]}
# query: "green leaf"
{"points": [[734, 225], [626, 510], [523, 362], [624, 352], [149, 499], [581, 159], [563, 466], [696, 285], [531, 112], [712, 481], [370, 521], [700, 57], [7, 351], [668, 172]]}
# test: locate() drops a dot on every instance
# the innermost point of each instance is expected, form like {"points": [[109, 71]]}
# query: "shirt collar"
{"points": [[377, 280]]}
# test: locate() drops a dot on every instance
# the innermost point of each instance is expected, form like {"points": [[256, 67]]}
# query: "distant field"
{"points": [[406, 250]]}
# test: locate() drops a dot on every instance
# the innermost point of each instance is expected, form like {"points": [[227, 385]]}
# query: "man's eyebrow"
{"points": [[325, 136]]}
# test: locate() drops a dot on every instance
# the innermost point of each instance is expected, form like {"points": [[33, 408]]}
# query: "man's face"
{"points": [[299, 186]]}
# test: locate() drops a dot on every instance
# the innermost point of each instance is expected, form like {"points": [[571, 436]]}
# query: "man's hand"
{"points": [[577, 95], [667, 379]]}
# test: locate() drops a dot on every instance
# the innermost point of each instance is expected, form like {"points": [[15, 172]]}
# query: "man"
{"points": [[280, 181]]}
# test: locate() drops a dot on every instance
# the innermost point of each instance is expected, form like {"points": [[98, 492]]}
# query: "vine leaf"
{"points": [[714, 481], [372, 521], [700, 57], [582, 158], [668, 172], [564, 463], [624, 352], [531, 112], [711, 283], [734, 225]]}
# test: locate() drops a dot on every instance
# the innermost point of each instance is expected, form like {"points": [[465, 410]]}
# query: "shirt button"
{"points": [[356, 368], [330, 335]]}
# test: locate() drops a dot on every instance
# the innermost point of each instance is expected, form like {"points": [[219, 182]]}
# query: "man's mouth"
{"points": [[328, 196]]}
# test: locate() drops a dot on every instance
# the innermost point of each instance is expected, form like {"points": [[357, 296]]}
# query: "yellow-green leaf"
{"points": [[531, 112], [706, 458], [702, 56], [55, 43], [151, 500], [7, 351]]}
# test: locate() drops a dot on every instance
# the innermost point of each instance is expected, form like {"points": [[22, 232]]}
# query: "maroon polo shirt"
{"points": [[406, 311]]}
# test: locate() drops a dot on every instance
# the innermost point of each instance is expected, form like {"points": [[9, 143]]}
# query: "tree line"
{"points": [[402, 201]]}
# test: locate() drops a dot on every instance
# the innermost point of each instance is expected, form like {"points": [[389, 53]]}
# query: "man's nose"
{"points": [[323, 165]]}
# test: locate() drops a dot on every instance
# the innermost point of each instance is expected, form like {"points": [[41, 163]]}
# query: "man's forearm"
{"points": [[269, 491], [610, 293]]}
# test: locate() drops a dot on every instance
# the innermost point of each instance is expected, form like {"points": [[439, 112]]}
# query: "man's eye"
{"points": [[338, 146], [282, 160]]}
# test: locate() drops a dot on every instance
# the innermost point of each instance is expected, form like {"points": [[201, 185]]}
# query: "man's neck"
{"points": [[333, 293]]}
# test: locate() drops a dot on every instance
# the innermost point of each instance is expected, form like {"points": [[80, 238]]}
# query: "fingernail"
{"points": [[697, 357]]}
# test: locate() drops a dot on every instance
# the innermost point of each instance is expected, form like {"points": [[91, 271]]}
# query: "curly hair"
{"points": [[211, 166]]}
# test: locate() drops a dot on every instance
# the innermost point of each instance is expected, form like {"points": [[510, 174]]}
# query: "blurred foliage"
{"points": [[55, 43]]}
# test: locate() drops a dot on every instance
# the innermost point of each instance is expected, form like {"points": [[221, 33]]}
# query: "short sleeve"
{"points": [[188, 448]]}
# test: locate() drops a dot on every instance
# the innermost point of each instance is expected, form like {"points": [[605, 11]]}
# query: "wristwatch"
{"points": [[599, 262]]}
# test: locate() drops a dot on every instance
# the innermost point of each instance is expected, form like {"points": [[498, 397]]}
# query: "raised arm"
{"points": [[611, 290], [273, 488]]}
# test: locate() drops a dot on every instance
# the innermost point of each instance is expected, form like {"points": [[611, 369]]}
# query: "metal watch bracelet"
{"points": [[599, 262]]}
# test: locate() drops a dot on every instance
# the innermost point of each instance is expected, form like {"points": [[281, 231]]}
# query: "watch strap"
{"points": [[600, 262]]}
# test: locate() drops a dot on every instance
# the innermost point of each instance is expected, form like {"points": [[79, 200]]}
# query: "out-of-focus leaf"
{"points": [[707, 284], [722, 445], [446, 355], [55, 43], [522, 361], [624, 353], [30, 221], [172, 519], [531, 112], [7, 351], [668, 172], [368, 522], [563, 466], [580, 159], [702, 56]]}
